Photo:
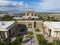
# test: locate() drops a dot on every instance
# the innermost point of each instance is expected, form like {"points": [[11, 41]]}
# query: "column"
{"points": [[27, 24], [32, 24], [33, 13], [5, 34]]}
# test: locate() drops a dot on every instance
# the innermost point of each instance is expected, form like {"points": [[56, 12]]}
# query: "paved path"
{"points": [[35, 38], [36, 43], [29, 42]]}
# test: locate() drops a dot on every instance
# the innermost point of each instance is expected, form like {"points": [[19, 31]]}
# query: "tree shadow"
{"points": [[23, 29]]}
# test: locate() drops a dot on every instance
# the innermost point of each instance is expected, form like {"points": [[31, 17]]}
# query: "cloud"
{"points": [[49, 5], [6, 5], [44, 5]]}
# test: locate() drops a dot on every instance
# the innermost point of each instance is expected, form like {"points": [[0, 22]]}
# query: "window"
{"points": [[10, 33], [49, 32], [35, 15], [2, 34], [27, 14], [34, 24], [32, 14], [29, 25]]}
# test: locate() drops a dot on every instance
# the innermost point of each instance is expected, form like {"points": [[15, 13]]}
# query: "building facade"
{"points": [[30, 20], [52, 29], [7, 29]]}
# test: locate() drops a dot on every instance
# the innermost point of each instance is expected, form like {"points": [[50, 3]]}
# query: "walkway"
{"points": [[34, 39], [36, 43]]}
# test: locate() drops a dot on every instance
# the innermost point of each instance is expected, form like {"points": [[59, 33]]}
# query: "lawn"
{"points": [[30, 33], [42, 41], [17, 42], [37, 30], [22, 30]]}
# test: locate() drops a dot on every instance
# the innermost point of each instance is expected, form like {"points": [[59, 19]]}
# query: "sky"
{"points": [[37, 5]]}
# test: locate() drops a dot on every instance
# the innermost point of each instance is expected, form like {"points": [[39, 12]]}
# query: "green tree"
{"points": [[40, 17], [50, 18], [7, 18]]}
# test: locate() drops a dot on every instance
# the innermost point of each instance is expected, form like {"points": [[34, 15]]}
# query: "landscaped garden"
{"points": [[22, 30], [30, 33], [42, 41], [18, 41], [37, 30]]}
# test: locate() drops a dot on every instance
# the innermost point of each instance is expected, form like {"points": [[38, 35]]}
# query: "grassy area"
{"points": [[29, 36], [57, 42], [40, 37], [22, 30], [37, 30], [17, 42], [30, 33], [42, 41], [19, 39]]}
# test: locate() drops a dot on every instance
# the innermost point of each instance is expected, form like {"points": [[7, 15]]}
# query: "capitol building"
{"points": [[31, 20]]}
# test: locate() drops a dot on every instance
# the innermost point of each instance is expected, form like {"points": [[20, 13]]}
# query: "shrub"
{"points": [[19, 39], [50, 43], [1, 43], [30, 33], [40, 37], [22, 30], [37, 30], [29, 36]]}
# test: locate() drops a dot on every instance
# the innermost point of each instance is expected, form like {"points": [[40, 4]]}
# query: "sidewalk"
{"points": [[34, 39]]}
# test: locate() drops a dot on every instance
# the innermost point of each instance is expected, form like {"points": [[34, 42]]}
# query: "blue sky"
{"points": [[37, 5]]}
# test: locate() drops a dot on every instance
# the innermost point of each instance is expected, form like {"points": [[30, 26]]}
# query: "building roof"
{"points": [[17, 17], [55, 25], [6, 24]]}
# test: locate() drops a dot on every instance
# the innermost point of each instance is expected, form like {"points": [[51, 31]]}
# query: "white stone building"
{"points": [[31, 20], [52, 29], [7, 29]]}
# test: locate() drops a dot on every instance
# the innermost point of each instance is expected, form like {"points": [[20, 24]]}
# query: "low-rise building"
{"points": [[52, 29], [7, 29]]}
